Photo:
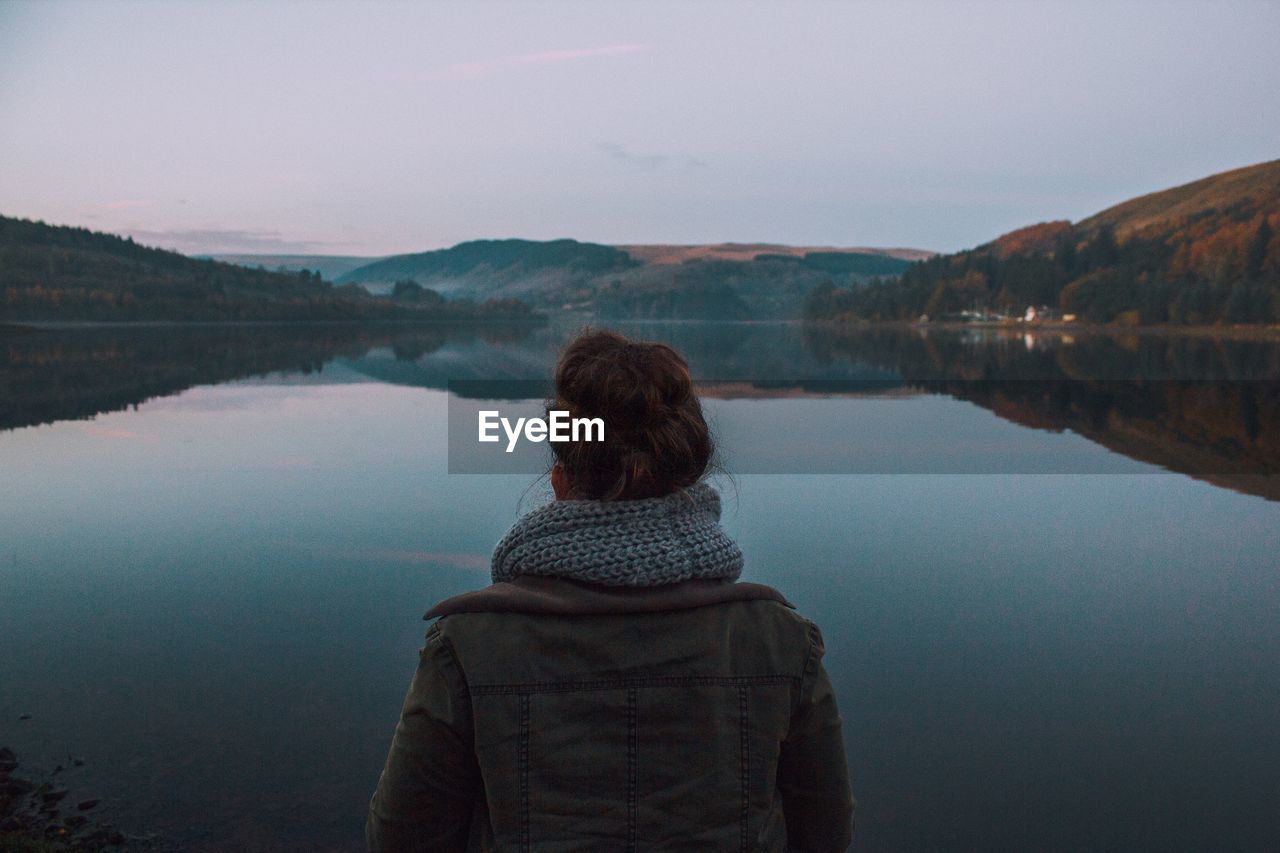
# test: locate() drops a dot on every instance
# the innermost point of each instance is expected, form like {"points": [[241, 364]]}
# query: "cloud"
{"points": [[127, 204], [647, 162], [570, 55], [620, 154], [200, 241], [480, 70]]}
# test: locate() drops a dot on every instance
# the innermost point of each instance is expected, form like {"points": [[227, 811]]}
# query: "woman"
{"points": [[616, 688]]}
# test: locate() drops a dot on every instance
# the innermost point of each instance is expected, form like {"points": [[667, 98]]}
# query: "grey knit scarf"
{"points": [[647, 542]]}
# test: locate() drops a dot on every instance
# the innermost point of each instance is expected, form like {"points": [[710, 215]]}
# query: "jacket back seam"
{"points": [[745, 764], [526, 838], [633, 746]]}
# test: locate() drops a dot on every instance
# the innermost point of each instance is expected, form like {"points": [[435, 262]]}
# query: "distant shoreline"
{"points": [[1241, 331], [66, 325]]}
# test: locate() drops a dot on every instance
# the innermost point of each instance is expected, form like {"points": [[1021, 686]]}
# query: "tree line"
{"points": [[1222, 267], [60, 273]]}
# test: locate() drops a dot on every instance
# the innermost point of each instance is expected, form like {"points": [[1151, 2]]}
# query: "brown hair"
{"points": [[655, 438]]}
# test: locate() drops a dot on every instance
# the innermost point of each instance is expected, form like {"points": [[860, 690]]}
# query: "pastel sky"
{"points": [[371, 129]]}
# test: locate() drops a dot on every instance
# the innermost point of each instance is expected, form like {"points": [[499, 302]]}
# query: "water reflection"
{"points": [[1208, 408], [54, 375], [1205, 407], [215, 599]]}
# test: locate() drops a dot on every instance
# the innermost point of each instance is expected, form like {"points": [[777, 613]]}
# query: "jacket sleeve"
{"points": [[431, 779], [813, 775]]}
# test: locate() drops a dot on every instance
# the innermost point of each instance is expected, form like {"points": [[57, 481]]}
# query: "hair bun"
{"points": [[656, 439]]}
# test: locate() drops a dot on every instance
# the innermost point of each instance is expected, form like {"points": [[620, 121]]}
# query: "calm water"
{"points": [[1046, 569]]}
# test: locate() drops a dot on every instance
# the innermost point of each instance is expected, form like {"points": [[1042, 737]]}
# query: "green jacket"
{"points": [[552, 715]]}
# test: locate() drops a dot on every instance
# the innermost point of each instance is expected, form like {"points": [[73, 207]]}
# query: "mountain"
{"points": [[659, 253], [1203, 206], [506, 265], [1203, 253], [330, 267], [58, 273], [720, 281]]}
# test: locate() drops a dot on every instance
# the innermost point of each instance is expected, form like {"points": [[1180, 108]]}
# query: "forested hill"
{"points": [[330, 267], [722, 281], [502, 260], [1201, 207], [59, 273], [1203, 253]]}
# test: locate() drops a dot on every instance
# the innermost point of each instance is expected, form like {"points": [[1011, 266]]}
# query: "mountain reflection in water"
{"points": [[1204, 407]]}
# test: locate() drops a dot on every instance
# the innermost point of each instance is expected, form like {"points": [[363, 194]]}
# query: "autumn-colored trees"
{"points": [[1219, 267], [1204, 252]]}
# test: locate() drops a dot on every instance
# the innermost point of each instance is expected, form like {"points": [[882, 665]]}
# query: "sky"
{"points": [[371, 129]]}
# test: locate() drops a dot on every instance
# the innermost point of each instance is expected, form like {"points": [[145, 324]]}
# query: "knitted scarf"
{"points": [[646, 542]]}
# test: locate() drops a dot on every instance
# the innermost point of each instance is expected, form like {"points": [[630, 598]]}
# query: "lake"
{"points": [[1045, 565]]}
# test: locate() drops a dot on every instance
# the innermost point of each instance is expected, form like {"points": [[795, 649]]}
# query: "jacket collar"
{"points": [[561, 596]]}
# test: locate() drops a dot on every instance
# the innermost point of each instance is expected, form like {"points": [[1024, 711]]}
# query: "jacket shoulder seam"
{"points": [[436, 633], [810, 659]]}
